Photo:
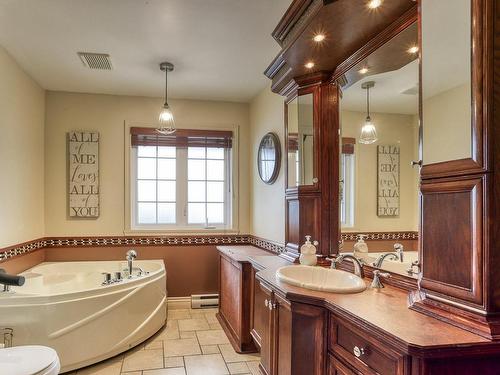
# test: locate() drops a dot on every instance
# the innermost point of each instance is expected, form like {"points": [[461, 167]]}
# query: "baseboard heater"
{"points": [[204, 301]]}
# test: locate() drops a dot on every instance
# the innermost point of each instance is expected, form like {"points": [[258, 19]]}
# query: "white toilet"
{"points": [[29, 360]]}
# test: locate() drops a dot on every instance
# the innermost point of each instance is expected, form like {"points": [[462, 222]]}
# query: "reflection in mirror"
{"points": [[300, 141], [379, 207], [446, 80]]}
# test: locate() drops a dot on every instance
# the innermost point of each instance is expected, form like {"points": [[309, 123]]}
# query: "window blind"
{"points": [[348, 145], [182, 138]]}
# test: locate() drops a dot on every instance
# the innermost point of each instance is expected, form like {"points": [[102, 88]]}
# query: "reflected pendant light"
{"points": [[368, 131], [166, 117]]}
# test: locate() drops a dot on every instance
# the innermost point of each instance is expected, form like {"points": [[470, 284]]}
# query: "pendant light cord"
{"points": [[166, 87], [368, 102]]}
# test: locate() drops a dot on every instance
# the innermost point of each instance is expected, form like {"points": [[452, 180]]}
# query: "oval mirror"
{"points": [[269, 158]]}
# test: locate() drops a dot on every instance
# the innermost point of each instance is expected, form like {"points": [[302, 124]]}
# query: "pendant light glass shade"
{"points": [[166, 117], [368, 131], [166, 120]]}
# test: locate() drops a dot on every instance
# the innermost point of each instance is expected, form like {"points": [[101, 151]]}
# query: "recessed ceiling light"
{"points": [[363, 70], [319, 38], [372, 4], [309, 65], [413, 49]]}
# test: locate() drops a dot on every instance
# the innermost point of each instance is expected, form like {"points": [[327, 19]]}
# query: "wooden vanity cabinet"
{"points": [[235, 296], [276, 349], [364, 353]]}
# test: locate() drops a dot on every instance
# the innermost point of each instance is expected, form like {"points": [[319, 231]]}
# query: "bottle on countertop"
{"points": [[308, 252], [360, 247]]}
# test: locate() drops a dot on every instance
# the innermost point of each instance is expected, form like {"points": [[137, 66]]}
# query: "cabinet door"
{"points": [[283, 336], [230, 295], [260, 311], [267, 333]]}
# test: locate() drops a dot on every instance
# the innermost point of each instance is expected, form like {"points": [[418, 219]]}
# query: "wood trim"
{"points": [[406, 20], [289, 19]]}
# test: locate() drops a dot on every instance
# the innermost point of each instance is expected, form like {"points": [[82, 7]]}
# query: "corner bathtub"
{"points": [[63, 305]]}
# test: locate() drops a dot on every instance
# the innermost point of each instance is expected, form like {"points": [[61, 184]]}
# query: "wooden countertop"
{"points": [[384, 313]]}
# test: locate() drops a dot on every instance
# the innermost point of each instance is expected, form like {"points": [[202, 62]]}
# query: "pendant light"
{"points": [[166, 117], [368, 131]]}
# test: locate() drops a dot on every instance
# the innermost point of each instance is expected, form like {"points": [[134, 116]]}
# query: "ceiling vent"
{"points": [[99, 61]]}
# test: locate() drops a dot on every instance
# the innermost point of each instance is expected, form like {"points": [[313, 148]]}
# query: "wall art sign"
{"points": [[388, 180], [83, 175]]}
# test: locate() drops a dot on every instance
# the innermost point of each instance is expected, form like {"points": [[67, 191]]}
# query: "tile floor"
{"points": [[191, 343]]}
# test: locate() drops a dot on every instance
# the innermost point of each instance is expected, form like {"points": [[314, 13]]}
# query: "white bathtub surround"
{"points": [[64, 306]]}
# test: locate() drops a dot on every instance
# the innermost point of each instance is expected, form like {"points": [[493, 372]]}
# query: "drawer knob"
{"points": [[358, 352]]}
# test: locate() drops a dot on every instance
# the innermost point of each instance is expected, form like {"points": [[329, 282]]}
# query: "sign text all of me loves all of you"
{"points": [[388, 191], [83, 176]]}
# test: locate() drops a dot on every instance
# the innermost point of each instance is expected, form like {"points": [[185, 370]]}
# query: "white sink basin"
{"points": [[323, 279]]}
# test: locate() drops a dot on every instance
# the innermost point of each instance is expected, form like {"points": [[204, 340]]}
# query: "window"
{"points": [[347, 177], [181, 181]]}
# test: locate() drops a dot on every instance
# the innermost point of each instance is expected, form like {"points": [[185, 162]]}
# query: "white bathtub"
{"points": [[63, 305]]}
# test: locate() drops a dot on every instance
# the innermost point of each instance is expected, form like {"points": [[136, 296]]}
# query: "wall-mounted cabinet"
{"points": [[311, 131]]}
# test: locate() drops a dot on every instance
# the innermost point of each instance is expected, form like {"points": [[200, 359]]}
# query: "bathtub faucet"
{"points": [[131, 255], [7, 280]]}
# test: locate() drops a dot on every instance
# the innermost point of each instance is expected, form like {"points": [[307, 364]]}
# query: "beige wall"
{"points": [[447, 125], [267, 207], [391, 129], [22, 107], [108, 114]]}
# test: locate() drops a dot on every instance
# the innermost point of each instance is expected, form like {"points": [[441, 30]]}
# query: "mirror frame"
{"points": [[313, 89], [277, 164], [408, 19], [480, 89]]}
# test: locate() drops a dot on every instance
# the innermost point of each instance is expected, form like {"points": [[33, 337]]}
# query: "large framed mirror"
{"points": [[446, 80], [379, 154], [300, 141]]}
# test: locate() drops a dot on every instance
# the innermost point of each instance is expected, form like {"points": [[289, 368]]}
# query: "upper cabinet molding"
{"points": [[347, 24]]}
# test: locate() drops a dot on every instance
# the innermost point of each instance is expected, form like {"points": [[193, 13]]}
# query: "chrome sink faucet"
{"points": [[380, 259], [358, 267], [398, 248], [131, 255]]}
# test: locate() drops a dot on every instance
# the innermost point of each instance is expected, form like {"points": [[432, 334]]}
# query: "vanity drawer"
{"points": [[366, 355]]}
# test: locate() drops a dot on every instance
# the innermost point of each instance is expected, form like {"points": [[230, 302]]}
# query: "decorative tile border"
{"points": [[27, 247], [61, 242], [266, 244], [146, 241], [393, 236], [23, 248]]}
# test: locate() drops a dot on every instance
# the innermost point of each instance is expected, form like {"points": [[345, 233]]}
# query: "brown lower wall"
{"points": [[21, 263], [190, 269]]}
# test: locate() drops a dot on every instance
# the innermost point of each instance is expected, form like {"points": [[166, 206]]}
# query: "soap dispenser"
{"points": [[360, 247], [308, 253]]}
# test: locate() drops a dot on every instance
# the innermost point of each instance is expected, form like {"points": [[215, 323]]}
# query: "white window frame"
{"points": [[231, 192], [348, 174]]}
